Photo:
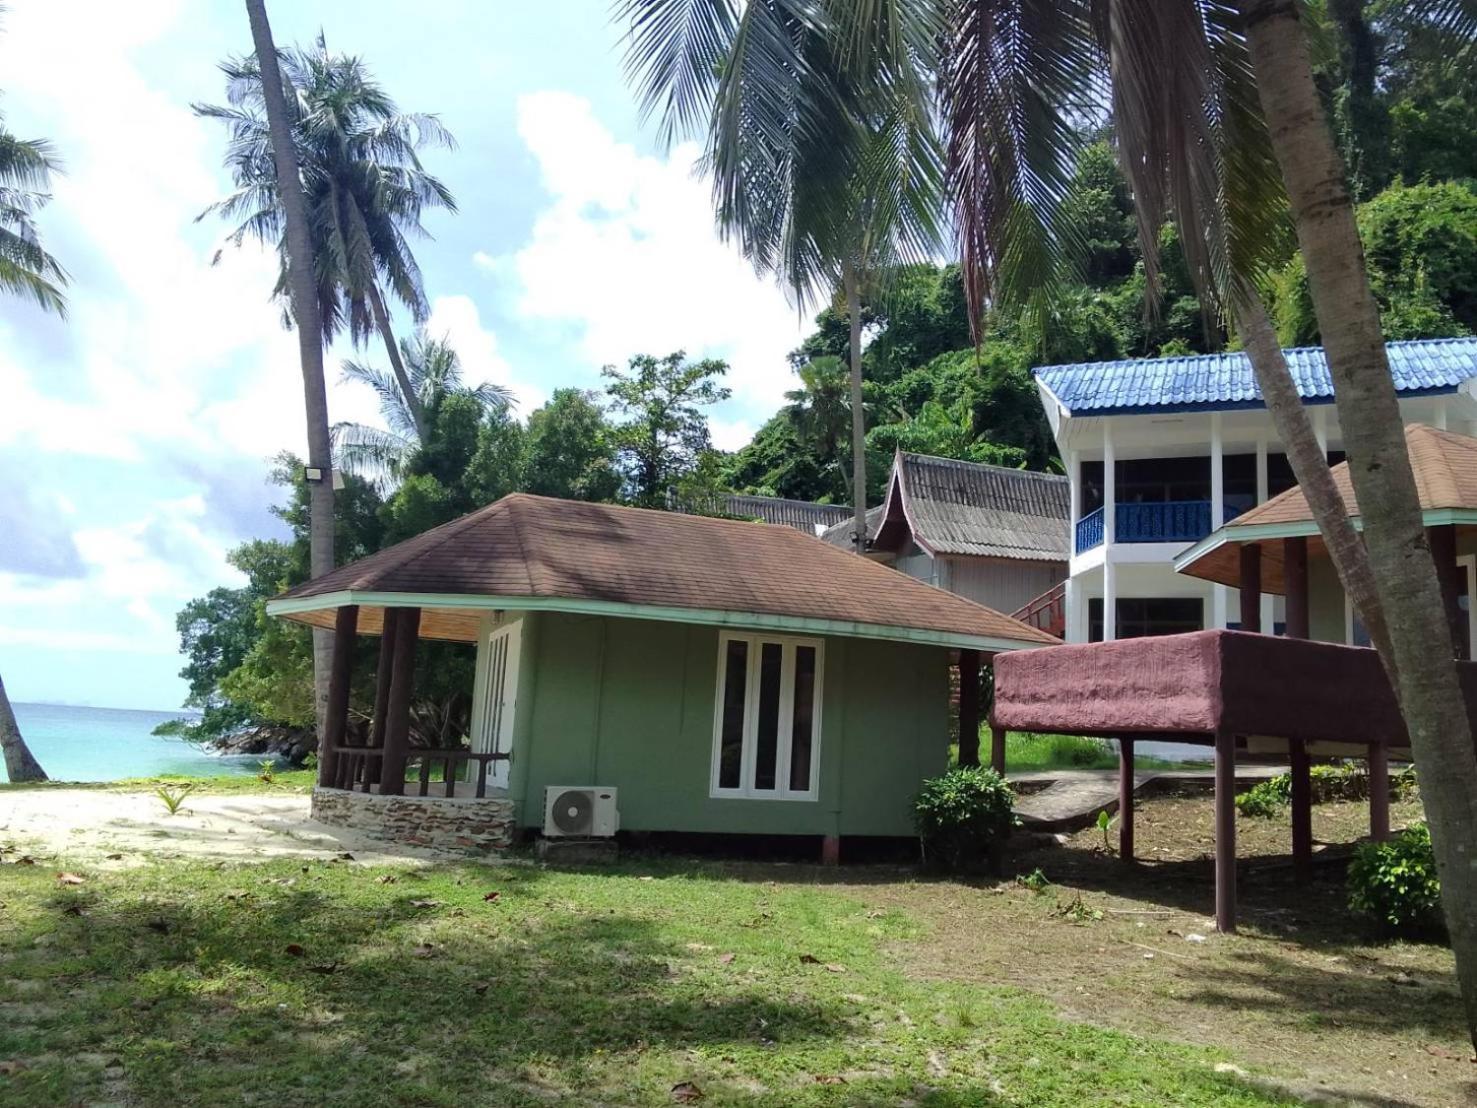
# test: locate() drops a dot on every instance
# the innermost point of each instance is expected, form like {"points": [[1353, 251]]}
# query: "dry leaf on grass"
{"points": [[424, 950], [425, 903], [295, 949], [488, 897], [685, 1092], [829, 1079], [70, 879], [385, 879], [809, 960], [727, 959]]}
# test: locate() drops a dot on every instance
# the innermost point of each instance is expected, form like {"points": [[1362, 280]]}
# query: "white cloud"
{"points": [[456, 318], [628, 259]]}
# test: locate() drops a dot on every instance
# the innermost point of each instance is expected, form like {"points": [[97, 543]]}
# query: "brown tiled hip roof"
{"points": [[536, 548]]}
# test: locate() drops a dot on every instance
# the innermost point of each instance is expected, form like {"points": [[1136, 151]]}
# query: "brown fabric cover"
{"points": [[1201, 682], [532, 546]]}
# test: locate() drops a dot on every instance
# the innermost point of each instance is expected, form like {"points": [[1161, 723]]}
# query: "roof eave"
{"points": [[288, 607]]}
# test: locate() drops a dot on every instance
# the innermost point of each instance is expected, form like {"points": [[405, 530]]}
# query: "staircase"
{"points": [[1048, 612]]}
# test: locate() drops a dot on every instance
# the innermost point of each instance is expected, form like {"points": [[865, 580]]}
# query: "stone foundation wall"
{"points": [[442, 823]]}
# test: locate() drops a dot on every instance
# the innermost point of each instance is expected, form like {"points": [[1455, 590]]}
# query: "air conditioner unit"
{"points": [[580, 811]]}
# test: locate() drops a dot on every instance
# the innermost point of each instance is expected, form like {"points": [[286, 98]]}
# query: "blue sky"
{"points": [[135, 436]]}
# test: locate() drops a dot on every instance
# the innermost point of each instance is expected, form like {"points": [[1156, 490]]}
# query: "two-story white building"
{"points": [[1161, 452]]}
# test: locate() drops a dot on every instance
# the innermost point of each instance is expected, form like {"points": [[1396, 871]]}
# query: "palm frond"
{"points": [[377, 455], [675, 51]]}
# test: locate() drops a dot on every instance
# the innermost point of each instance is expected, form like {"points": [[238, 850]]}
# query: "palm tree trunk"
{"points": [[1310, 467], [20, 763], [309, 331], [1348, 317], [858, 414], [397, 364]]}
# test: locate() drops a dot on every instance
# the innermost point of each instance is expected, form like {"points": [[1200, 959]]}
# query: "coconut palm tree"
{"points": [[26, 270], [278, 157], [365, 189], [821, 410], [818, 136], [434, 372]]}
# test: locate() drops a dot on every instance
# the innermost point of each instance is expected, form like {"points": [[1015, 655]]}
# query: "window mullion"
{"points": [[785, 731], [751, 720]]}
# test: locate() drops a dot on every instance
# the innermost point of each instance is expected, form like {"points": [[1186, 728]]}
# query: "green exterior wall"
{"points": [[628, 704], [1325, 602]]}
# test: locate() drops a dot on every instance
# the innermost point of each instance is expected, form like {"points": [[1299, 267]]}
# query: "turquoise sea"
{"points": [[106, 744]]}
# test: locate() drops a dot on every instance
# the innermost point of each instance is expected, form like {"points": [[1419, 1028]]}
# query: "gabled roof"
{"points": [[803, 515], [531, 552], [1445, 467], [1217, 382], [951, 507]]}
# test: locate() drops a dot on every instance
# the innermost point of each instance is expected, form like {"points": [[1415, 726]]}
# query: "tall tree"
{"points": [[820, 140], [1379, 467], [363, 183], [665, 429], [26, 269], [298, 277], [433, 373], [821, 411]]}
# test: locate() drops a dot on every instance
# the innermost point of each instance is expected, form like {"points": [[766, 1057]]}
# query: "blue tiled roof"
{"points": [[1213, 382]]}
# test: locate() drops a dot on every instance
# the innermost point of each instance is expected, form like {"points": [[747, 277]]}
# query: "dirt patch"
{"points": [[1301, 991], [121, 828]]}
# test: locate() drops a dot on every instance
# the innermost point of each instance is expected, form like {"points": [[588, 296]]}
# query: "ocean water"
{"points": [[106, 744]]}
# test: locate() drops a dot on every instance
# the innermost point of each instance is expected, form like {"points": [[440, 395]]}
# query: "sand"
{"points": [[90, 825]]}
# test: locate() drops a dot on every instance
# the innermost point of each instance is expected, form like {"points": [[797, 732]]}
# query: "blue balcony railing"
{"points": [[1161, 521]]}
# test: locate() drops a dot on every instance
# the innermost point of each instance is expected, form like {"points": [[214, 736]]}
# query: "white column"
{"points": [[1441, 413], [1320, 428], [1219, 606], [1110, 487], [1074, 477], [1076, 606], [1217, 474], [1268, 600], [1110, 598]]}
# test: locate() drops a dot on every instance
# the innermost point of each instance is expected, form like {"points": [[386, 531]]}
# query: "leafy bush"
{"points": [[1394, 883], [1265, 799], [962, 815]]}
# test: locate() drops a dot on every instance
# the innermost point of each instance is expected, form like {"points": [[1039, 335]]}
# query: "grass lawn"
{"points": [[330, 981], [1039, 753]]}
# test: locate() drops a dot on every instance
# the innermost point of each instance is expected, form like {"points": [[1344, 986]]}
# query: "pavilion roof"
{"points": [[532, 552], [1445, 468]]}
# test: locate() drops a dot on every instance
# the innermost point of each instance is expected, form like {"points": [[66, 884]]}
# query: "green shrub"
{"points": [[961, 816], [1265, 799], [1394, 883], [1345, 781]]}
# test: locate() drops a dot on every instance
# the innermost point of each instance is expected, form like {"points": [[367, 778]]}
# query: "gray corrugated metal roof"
{"points": [[954, 507], [799, 514], [958, 507]]}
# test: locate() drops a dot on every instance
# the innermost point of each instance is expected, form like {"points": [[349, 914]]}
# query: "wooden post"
{"points": [[1251, 587], [1125, 798], [1442, 541], [341, 670], [997, 749], [381, 694], [402, 681], [1295, 585], [1302, 812], [1225, 831], [969, 707], [1379, 793], [831, 850]]}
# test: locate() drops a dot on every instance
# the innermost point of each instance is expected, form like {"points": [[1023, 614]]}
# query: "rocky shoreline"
{"points": [[290, 744]]}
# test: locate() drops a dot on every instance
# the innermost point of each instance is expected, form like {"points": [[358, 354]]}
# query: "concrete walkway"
{"points": [[1069, 799]]}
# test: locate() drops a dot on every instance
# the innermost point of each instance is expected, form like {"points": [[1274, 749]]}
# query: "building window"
{"points": [[766, 722], [1139, 617]]}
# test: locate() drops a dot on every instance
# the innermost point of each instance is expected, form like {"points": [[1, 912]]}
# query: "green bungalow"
{"points": [[694, 674]]}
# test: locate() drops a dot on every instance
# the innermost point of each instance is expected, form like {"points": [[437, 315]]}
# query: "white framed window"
{"points": [[767, 717]]}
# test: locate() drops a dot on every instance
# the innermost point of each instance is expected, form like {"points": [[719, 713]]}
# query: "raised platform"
{"points": [[470, 824]]}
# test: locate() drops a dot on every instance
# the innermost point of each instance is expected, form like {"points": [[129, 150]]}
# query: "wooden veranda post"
{"points": [[397, 711], [1379, 793], [1225, 831], [382, 674], [1295, 585], [1251, 587], [1125, 799], [341, 671], [1302, 812], [969, 707], [997, 749]]}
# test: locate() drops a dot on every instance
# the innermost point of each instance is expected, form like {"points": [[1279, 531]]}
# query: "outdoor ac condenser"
{"points": [[580, 810]]}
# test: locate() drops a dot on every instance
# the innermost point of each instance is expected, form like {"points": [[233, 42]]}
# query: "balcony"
{"points": [[1155, 521]]}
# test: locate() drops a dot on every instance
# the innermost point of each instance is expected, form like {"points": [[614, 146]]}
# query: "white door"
{"points": [[498, 681]]}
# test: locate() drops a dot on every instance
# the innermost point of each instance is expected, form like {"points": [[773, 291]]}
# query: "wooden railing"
{"points": [[1048, 612], [359, 768]]}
